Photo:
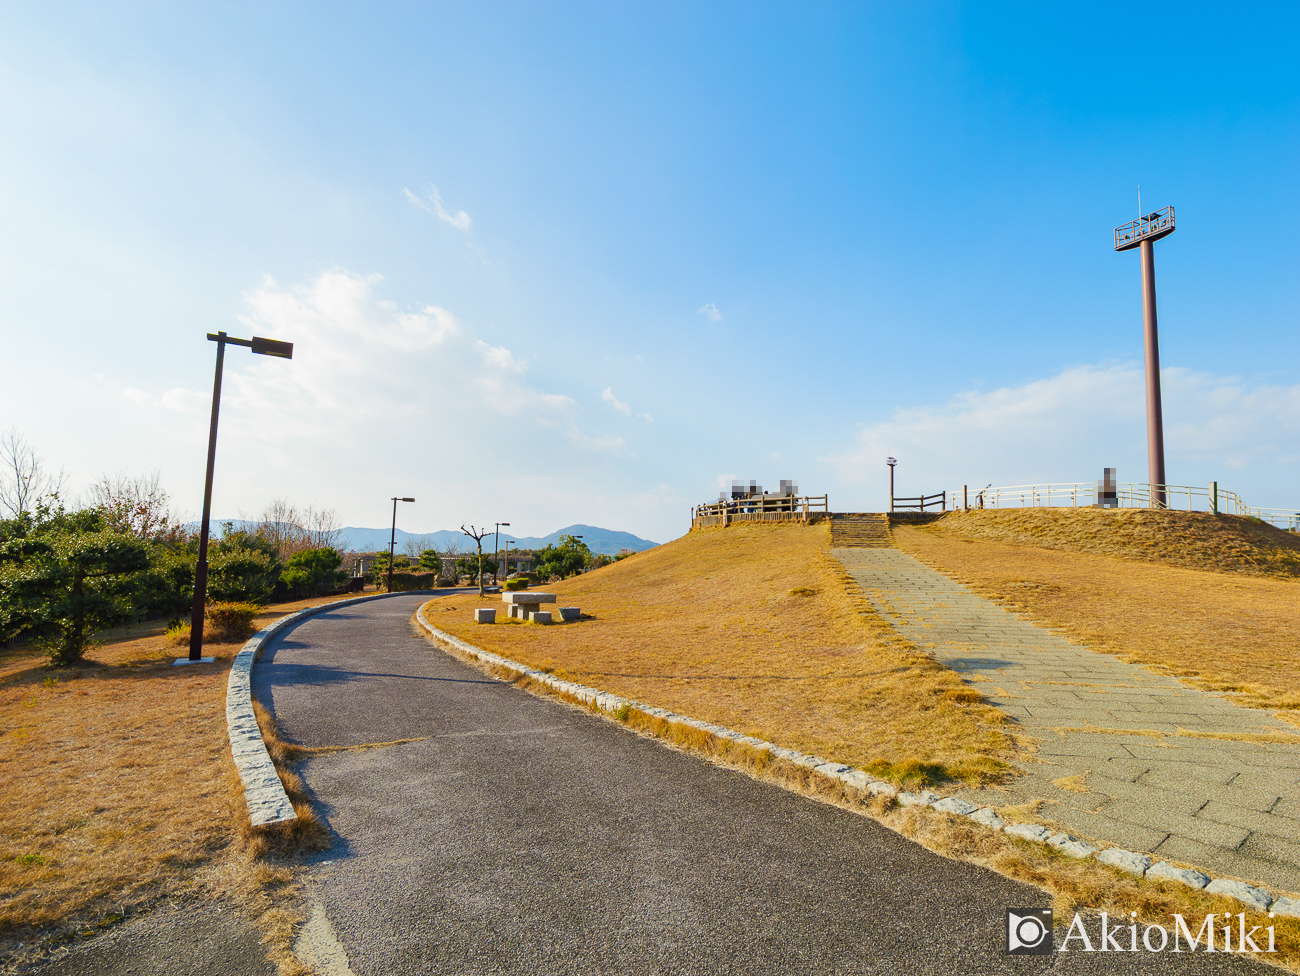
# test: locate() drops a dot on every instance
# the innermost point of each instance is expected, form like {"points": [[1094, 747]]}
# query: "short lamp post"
{"points": [[891, 462], [496, 549], [262, 347], [392, 541]]}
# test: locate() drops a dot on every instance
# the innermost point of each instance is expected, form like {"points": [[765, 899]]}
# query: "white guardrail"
{"points": [[1083, 494]]}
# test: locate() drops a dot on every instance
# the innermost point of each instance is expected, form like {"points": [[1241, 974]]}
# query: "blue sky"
{"points": [[583, 262]]}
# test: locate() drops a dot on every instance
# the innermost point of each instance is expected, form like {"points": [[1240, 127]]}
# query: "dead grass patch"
{"points": [[1227, 632], [1194, 540], [711, 626], [119, 788]]}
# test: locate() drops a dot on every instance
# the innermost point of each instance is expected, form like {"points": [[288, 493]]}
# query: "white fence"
{"points": [[1083, 494]]}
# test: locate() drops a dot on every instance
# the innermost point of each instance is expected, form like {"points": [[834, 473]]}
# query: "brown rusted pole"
{"points": [[1155, 420], [199, 606]]}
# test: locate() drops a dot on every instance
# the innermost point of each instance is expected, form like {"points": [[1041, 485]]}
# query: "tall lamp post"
{"points": [[262, 347], [1143, 233], [392, 541], [496, 549], [891, 462]]}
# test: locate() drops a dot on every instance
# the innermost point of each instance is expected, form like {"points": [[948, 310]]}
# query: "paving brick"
{"points": [[1158, 817], [1097, 825], [1196, 798]]}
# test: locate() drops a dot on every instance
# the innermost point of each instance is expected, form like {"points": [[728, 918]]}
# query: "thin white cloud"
{"points": [[178, 399], [1067, 427], [710, 312], [500, 357], [647, 418], [608, 396], [603, 444], [460, 219]]}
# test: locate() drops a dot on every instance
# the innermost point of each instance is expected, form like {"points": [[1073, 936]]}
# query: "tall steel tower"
{"points": [[1143, 233]]}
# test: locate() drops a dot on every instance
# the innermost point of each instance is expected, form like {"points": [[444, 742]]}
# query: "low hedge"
{"points": [[410, 581]]}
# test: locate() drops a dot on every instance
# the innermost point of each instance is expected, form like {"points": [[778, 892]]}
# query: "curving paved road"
{"points": [[523, 836]]}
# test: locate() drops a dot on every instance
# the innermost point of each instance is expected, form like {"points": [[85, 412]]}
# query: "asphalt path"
{"points": [[521, 835]]}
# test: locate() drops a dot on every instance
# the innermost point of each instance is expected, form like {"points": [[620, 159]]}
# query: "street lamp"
{"points": [[392, 541], [1143, 233], [891, 462], [262, 347], [496, 549]]}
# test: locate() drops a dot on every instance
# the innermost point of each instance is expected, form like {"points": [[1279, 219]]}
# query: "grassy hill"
{"points": [[1197, 540], [757, 628]]}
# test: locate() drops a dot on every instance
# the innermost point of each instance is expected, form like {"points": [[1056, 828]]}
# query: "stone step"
{"points": [[860, 531]]}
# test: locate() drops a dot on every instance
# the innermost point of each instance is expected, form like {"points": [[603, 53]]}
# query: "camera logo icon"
{"points": [[1029, 931]]}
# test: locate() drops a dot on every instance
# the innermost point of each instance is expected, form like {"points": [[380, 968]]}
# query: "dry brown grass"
{"points": [[755, 627], [1225, 631], [1193, 540], [118, 788]]}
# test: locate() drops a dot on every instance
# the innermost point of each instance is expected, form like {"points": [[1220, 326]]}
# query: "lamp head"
{"points": [[272, 347], [406, 499]]}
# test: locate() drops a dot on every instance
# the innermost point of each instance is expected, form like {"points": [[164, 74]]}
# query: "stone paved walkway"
{"points": [[1123, 755]]}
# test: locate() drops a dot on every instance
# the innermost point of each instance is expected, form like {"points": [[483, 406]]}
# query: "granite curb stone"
{"points": [[1256, 898]]}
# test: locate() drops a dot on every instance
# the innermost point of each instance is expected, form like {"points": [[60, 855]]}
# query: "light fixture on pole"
{"points": [[262, 347], [891, 462], [392, 541], [496, 549], [1143, 233]]}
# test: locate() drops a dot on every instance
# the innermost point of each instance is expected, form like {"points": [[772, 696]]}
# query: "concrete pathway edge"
{"points": [[1140, 865], [263, 792]]}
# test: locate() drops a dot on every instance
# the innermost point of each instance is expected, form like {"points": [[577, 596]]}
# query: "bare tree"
{"points": [[478, 537], [23, 478], [281, 523], [135, 506], [322, 528], [417, 545]]}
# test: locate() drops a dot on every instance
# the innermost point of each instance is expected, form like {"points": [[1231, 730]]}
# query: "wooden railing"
{"points": [[919, 503], [759, 508]]}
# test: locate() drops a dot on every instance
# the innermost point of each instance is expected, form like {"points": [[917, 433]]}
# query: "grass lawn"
{"points": [[757, 628], [1233, 629], [118, 783]]}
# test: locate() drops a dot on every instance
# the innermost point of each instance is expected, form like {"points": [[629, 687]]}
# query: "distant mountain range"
{"points": [[602, 541]]}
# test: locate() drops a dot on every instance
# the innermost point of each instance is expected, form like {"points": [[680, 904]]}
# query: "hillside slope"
{"points": [[1199, 540], [753, 627]]}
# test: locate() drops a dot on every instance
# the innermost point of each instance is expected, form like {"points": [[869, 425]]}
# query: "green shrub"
{"points": [[411, 581], [228, 622], [513, 585], [314, 572], [242, 576]]}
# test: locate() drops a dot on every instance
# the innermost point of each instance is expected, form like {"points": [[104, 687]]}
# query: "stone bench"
{"points": [[485, 615], [520, 603]]}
